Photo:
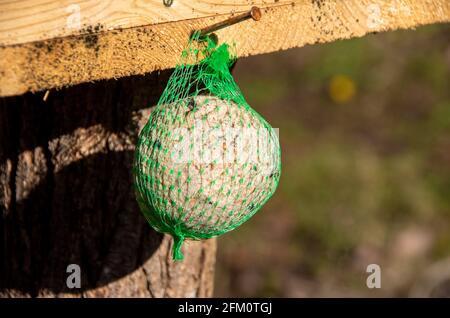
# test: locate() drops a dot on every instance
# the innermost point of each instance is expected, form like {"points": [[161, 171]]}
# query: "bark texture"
{"points": [[66, 197]]}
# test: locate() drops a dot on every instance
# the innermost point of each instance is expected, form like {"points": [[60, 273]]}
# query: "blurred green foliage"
{"points": [[367, 181]]}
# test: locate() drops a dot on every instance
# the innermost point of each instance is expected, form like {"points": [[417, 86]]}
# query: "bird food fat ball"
{"points": [[205, 161]]}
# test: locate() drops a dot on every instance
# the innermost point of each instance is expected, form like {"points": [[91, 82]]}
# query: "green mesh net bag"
{"points": [[205, 161]]}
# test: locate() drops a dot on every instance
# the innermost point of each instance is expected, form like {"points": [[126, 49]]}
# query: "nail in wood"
{"points": [[254, 13]]}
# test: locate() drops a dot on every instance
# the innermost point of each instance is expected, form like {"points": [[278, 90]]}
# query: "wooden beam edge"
{"points": [[24, 21], [72, 60]]}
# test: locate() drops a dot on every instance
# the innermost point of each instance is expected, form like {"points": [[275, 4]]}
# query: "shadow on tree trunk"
{"points": [[66, 191]]}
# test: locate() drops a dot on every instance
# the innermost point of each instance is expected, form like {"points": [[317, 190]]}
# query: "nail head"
{"points": [[256, 13]]}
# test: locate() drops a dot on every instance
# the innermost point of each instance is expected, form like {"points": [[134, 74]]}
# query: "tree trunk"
{"points": [[66, 197]]}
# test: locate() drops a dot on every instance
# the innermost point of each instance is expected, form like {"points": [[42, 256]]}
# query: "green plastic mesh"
{"points": [[205, 161]]}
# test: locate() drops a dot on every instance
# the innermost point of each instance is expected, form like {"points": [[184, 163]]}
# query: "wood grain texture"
{"points": [[66, 197], [36, 20], [58, 62]]}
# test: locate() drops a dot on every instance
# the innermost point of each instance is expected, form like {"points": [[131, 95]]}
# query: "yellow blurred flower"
{"points": [[341, 89]]}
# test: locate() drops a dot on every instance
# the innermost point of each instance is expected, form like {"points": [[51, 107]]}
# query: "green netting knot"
{"points": [[220, 60], [177, 243]]}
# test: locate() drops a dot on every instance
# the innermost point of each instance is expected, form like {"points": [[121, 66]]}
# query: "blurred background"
{"points": [[365, 136]]}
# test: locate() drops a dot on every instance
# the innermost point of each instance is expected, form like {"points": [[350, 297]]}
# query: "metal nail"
{"points": [[168, 3], [254, 13]]}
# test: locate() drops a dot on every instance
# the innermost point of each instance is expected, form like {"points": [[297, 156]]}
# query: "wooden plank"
{"points": [[36, 20], [74, 59]]}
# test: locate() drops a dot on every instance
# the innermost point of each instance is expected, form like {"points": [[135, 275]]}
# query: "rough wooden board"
{"points": [[36, 20], [71, 60]]}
